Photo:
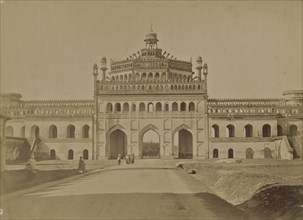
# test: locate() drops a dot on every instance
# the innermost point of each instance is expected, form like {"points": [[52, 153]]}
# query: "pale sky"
{"points": [[253, 48]]}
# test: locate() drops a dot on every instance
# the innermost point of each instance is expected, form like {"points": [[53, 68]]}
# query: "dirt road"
{"points": [[124, 192]]}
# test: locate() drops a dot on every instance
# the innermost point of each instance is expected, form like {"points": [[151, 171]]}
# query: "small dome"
{"points": [[151, 36]]}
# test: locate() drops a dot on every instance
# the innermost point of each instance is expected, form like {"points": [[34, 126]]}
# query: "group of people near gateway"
{"points": [[129, 158]]}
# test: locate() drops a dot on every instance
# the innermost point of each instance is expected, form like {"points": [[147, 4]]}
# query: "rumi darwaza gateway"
{"points": [[154, 106]]}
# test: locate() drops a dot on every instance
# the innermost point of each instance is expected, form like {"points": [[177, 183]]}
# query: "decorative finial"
{"points": [[95, 70], [151, 28], [103, 64], [199, 63]]}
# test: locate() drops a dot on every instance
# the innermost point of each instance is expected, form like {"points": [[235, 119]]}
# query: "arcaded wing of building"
{"points": [[154, 106]]}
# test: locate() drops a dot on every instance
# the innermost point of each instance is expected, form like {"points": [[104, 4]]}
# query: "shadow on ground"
{"points": [[276, 202]]}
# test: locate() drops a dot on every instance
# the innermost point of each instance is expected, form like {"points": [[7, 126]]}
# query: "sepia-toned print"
{"points": [[151, 110]]}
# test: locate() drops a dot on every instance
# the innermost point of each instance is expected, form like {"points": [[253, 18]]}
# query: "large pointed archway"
{"points": [[117, 144], [183, 144], [150, 145]]}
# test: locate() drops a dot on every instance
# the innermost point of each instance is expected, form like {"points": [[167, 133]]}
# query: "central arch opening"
{"points": [[117, 144], [151, 145], [184, 139]]}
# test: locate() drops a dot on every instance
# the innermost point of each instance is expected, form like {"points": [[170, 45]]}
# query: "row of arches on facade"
{"points": [[149, 143], [150, 107], [41, 111], [253, 110], [249, 153], [151, 77], [149, 87], [52, 131], [248, 130], [241, 110], [70, 154]]}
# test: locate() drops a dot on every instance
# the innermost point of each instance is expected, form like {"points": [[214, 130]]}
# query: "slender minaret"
{"points": [[95, 73], [205, 72], [94, 117], [199, 67], [103, 68]]}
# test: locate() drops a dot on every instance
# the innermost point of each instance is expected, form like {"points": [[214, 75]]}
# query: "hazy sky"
{"points": [[48, 48]]}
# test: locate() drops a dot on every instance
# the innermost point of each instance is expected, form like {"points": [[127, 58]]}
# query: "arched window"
{"points": [[85, 131], [293, 130], [109, 107], [183, 106], [150, 107], [248, 130], [158, 107], [117, 107], [215, 153], [166, 107], [85, 154], [230, 153], [52, 154], [23, 131], [70, 154], [157, 76], [52, 133], [142, 107], [266, 130], [125, 107], [191, 107], [175, 107], [9, 131], [137, 77], [35, 131], [215, 131], [280, 131], [71, 131], [230, 130], [249, 153], [134, 108], [143, 77]]}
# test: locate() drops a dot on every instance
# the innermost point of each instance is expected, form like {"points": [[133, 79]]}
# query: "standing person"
{"points": [[133, 158], [81, 166], [30, 167], [127, 159], [119, 159]]}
